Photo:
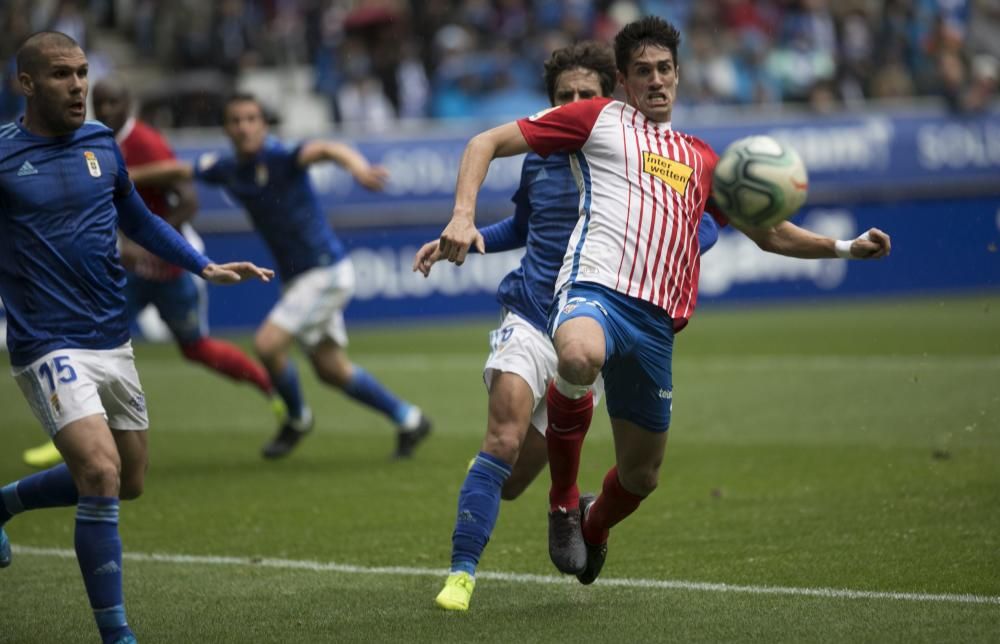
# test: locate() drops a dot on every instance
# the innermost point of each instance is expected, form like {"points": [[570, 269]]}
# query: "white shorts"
{"points": [[518, 347], [70, 384], [312, 305]]}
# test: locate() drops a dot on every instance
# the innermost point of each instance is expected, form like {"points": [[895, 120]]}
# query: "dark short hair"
{"points": [[240, 97], [651, 30], [589, 54], [30, 55]]}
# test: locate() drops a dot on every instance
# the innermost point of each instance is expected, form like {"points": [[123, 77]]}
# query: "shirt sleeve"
{"points": [[708, 233], [562, 129], [156, 235], [123, 183], [209, 168]]}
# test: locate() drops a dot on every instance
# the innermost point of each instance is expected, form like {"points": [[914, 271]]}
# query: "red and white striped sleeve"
{"points": [[562, 129]]}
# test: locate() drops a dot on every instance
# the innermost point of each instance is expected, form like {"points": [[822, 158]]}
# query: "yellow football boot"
{"points": [[457, 591], [43, 456]]}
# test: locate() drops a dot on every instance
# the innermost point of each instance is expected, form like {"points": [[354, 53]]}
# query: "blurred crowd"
{"points": [[379, 60]]}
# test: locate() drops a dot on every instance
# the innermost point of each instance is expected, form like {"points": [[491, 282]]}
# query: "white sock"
{"points": [[568, 389]]}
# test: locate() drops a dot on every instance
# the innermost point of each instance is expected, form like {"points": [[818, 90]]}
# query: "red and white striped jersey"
{"points": [[643, 189]]}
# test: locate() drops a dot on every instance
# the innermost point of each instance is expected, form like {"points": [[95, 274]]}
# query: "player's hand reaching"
{"points": [[235, 272], [426, 257], [372, 177], [873, 244], [456, 239], [430, 254]]}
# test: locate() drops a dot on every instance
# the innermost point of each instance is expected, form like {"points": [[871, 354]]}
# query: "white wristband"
{"points": [[842, 247]]}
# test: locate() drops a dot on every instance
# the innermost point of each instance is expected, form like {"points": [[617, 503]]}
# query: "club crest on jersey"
{"points": [[673, 173], [262, 175], [92, 165]]}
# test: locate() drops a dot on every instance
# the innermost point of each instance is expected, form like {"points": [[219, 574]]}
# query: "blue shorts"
{"points": [[180, 302], [639, 342]]}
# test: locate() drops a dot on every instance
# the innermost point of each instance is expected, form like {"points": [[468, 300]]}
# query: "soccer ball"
{"points": [[759, 182]]}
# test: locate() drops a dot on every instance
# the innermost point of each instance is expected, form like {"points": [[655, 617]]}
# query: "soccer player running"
{"points": [[271, 180], [177, 296], [522, 361], [629, 277], [64, 193]]}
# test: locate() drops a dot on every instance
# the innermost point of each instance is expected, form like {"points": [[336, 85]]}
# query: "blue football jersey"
{"points": [[548, 201], [60, 278], [278, 195]]}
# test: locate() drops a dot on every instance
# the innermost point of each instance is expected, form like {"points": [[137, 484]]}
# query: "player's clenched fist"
{"points": [[456, 239]]}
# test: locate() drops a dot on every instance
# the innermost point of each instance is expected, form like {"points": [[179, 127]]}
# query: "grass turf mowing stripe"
{"points": [[658, 584]]}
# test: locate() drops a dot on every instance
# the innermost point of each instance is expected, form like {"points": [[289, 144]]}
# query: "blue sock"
{"points": [[286, 384], [49, 488], [99, 552], [478, 507], [364, 388]]}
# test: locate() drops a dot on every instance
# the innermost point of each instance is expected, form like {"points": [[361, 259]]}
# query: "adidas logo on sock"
{"points": [[108, 568], [26, 169]]}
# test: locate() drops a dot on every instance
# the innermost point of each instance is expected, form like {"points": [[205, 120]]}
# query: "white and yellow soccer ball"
{"points": [[759, 181]]}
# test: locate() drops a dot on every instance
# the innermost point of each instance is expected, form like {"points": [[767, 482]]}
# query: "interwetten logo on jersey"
{"points": [[92, 165], [673, 173]]}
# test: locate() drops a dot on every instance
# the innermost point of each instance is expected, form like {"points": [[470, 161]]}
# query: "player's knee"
{"points": [[264, 349], [98, 478], [332, 373], [641, 481], [503, 442], [578, 365]]}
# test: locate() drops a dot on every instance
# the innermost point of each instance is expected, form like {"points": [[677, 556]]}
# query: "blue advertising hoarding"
{"points": [[937, 245]]}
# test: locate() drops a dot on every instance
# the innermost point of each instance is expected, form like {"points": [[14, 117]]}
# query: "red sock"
{"points": [[612, 505], [229, 360], [569, 421]]}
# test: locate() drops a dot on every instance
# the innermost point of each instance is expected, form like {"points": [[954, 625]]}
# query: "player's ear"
{"points": [[27, 83]]}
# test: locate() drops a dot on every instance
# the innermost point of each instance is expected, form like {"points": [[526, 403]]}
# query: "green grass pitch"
{"points": [[849, 446]]}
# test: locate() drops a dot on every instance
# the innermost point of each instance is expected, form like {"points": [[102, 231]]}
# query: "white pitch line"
{"points": [[473, 363], [659, 584]]}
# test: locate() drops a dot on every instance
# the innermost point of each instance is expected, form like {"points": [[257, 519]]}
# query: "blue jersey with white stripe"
{"points": [[277, 193], [60, 278], [546, 211]]}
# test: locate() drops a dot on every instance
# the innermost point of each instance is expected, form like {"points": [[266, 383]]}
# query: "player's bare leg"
{"points": [[272, 344], [531, 460], [334, 368], [511, 403], [638, 454], [580, 347]]}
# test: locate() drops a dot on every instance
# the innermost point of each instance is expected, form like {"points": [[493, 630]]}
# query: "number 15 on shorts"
{"points": [[58, 369]]}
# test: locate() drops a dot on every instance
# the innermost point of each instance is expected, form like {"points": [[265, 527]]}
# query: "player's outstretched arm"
{"points": [[460, 233], [161, 174], [792, 241], [372, 177], [235, 272]]}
